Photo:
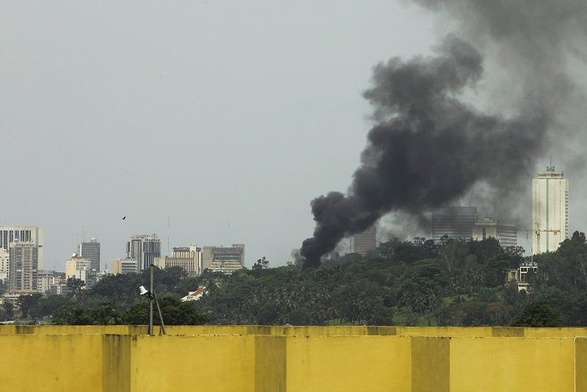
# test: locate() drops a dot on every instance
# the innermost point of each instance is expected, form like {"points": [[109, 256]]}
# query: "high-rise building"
{"points": [[454, 222], [507, 235], [550, 210], [364, 242], [188, 257], [223, 259], [144, 248], [24, 264], [16, 234], [91, 251], [4, 264]]}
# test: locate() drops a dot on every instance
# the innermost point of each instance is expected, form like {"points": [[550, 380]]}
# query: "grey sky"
{"points": [[226, 117]]}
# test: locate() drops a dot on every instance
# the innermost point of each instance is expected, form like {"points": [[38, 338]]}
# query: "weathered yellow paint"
{"points": [[348, 363], [72, 329], [32, 363], [430, 364], [116, 361], [511, 364], [270, 363], [444, 331], [223, 363], [581, 364], [565, 332], [292, 359]]}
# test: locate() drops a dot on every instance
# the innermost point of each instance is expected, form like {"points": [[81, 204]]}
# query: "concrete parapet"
{"points": [[348, 363], [292, 359], [51, 363], [511, 364]]}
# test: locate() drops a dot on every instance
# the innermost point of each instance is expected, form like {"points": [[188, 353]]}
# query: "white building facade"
{"points": [[14, 234], [550, 210]]}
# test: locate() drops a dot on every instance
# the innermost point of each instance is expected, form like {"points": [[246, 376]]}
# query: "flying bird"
{"points": [[124, 217]]}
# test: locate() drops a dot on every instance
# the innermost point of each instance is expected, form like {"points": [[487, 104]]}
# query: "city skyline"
{"points": [[217, 123]]}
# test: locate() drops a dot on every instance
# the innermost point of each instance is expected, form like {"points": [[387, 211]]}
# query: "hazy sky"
{"points": [[224, 118]]}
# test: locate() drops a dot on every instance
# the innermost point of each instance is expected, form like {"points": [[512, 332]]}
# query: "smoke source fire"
{"points": [[430, 147]]}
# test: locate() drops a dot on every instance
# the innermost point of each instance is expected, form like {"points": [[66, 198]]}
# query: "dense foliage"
{"points": [[115, 299], [418, 282]]}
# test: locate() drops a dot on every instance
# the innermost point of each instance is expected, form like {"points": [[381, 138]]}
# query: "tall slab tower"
{"points": [[550, 210]]}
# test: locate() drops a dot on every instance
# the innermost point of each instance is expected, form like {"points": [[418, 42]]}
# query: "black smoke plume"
{"points": [[430, 147], [430, 152]]}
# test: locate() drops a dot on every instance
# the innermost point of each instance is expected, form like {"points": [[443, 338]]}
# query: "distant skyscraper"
{"points": [[550, 210], [365, 242], [91, 251], [4, 264], [15, 234], [144, 248], [24, 264], [454, 222]]}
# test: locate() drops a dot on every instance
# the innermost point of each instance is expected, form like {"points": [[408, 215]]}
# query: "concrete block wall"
{"points": [[292, 359]]}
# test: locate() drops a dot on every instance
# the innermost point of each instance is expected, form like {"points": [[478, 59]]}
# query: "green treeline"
{"points": [[458, 283], [417, 282]]}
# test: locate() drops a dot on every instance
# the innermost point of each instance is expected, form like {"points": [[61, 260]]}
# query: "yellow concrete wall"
{"points": [[47, 329], [430, 364], [221, 363], [554, 332], [270, 363], [292, 359], [116, 360], [511, 364], [581, 364], [444, 331], [348, 363], [33, 363]]}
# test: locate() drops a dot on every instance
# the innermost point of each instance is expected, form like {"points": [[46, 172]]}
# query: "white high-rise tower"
{"points": [[550, 210]]}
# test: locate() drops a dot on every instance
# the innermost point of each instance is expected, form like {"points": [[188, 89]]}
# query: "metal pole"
{"points": [[151, 298], [160, 317]]}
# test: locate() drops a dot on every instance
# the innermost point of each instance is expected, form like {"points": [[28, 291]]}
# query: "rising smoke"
{"points": [[430, 147]]}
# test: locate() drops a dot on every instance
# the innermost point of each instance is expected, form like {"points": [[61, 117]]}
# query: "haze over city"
{"points": [[218, 122]]}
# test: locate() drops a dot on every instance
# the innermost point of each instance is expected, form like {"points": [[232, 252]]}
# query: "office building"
{"points": [[223, 259], [45, 281], [125, 266], [364, 242], [189, 258], [550, 210], [144, 248], [76, 264], [454, 223], [16, 234], [24, 264], [91, 251], [506, 234]]}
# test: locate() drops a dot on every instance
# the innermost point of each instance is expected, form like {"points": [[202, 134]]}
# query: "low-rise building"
{"points": [[128, 265]]}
